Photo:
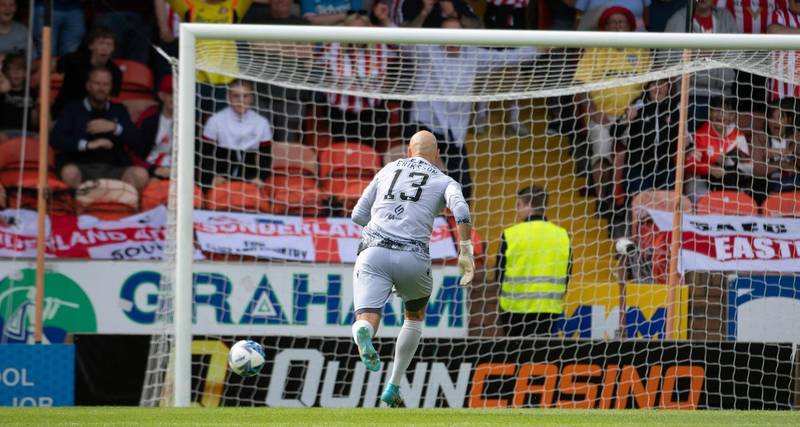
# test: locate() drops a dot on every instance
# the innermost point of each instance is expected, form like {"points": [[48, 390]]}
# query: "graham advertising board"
{"points": [[518, 373], [268, 299]]}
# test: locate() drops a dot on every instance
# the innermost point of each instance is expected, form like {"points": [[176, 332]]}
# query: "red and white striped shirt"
{"points": [[752, 16], [786, 62], [357, 69]]}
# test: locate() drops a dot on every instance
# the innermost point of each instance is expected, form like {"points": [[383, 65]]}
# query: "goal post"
{"points": [[724, 49]]}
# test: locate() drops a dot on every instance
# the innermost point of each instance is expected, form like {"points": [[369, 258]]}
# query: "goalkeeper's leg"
{"points": [[364, 328], [372, 286], [404, 350]]}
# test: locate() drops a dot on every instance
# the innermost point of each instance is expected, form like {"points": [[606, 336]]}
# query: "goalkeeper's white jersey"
{"points": [[402, 201]]}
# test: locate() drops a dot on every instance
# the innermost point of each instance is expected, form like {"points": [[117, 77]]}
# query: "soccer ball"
{"points": [[246, 358]]}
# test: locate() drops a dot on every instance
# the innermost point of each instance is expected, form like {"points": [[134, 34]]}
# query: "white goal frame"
{"points": [[190, 33]]}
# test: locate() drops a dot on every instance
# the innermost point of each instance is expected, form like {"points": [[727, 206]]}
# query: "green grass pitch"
{"points": [[389, 417]]}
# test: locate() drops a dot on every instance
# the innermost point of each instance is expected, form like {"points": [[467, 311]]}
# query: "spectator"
{"points": [[355, 117], [329, 12], [505, 15], [606, 106], [13, 105], [380, 15], [712, 163], [534, 264], [13, 35], [650, 139], [68, 26], [751, 16], [94, 136], [258, 12], [790, 179], [168, 25], [132, 25], [591, 10], [659, 13], [285, 107], [155, 126], [77, 65], [447, 70], [237, 139], [280, 13], [211, 86], [562, 15], [785, 21], [772, 150], [433, 13], [705, 84]]}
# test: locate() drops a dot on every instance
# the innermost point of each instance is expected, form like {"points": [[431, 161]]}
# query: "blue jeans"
{"points": [[68, 30], [132, 31]]}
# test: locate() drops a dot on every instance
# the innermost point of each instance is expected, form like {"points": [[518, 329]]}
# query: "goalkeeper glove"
{"points": [[466, 262]]}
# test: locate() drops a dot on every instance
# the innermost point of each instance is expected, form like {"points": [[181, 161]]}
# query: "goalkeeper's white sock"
{"points": [[358, 324], [407, 343]]}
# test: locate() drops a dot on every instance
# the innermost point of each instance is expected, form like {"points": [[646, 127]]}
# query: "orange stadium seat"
{"points": [[726, 203], [346, 169], [782, 205], [107, 199], [293, 186], [237, 196], [19, 173], [136, 77], [16, 154], [157, 193]]}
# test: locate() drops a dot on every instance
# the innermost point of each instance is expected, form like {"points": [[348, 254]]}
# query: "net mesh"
{"points": [[290, 133]]}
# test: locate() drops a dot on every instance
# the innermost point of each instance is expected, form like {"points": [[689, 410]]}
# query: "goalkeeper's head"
{"points": [[423, 144]]}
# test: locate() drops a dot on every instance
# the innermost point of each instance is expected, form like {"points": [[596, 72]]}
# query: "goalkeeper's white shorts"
{"points": [[379, 269]]}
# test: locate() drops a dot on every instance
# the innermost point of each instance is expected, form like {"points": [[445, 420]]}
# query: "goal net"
{"points": [[670, 301]]}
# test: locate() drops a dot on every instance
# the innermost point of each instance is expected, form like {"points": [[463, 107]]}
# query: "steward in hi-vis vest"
{"points": [[533, 268]]}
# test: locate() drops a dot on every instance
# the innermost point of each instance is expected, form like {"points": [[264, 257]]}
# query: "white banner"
{"points": [[735, 243], [287, 299], [326, 240], [141, 236]]}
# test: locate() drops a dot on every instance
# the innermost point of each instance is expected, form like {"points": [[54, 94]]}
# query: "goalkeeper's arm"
{"points": [[466, 257]]}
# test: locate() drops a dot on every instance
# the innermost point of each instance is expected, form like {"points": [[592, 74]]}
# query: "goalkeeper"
{"points": [[397, 211]]}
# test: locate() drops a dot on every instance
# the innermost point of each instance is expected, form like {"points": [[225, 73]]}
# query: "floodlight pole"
{"points": [[41, 184]]}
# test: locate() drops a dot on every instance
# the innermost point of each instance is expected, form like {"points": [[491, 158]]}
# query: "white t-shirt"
{"points": [[243, 132], [161, 154], [405, 197]]}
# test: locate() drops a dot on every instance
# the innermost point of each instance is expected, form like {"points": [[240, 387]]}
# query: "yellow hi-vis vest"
{"points": [[537, 263]]}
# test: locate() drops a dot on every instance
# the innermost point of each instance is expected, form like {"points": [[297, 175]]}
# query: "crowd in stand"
{"points": [[742, 127]]}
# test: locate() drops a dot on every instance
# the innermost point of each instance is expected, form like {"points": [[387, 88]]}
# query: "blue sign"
{"points": [[764, 308], [37, 375]]}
